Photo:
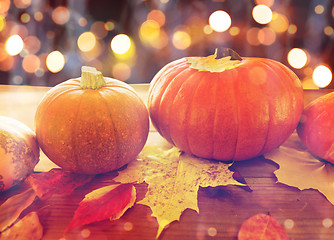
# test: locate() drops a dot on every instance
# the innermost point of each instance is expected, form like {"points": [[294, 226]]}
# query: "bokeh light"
{"points": [[60, 15], [14, 45], [157, 16], [22, 3], [31, 63], [4, 6], [322, 76], [279, 23], [2, 22], [181, 40], [220, 21], [32, 44], [266, 36], [99, 30], [120, 44], [297, 58], [149, 32], [262, 14], [268, 3], [86, 41], [121, 71], [55, 61]]}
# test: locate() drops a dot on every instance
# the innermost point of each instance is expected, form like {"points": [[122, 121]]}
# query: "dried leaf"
{"points": [[11, 209], [28, 228], [106, 202], [173, 180], [262, 226], [56, 181], [299, 168]]}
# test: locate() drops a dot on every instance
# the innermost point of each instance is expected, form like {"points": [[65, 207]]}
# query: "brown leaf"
{"points": [[106, 202], [299, 168], [28, 228], [56, 181], [13, 207], [262, 226]]}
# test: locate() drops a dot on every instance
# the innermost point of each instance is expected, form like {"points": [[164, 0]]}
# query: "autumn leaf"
{"points": [[299, 168], [11, 209], [56, 181], [173, 180], [262, 226], [103, 203], [29, 227]]}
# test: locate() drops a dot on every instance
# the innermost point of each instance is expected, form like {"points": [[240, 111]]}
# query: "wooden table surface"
{"points": [[222, 209]]}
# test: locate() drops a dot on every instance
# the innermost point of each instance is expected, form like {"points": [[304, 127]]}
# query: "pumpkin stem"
{"points": [[226, 52], [91, 78]]}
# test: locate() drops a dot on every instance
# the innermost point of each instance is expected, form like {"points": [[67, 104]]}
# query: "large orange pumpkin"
{"points": [[91, 124], [19, 152], [225, 109], [316, 127]]}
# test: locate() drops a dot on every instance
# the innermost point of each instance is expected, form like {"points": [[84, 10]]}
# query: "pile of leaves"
{"points": [[173, 179]]}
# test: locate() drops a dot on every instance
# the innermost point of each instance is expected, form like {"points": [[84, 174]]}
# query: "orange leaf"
{"points": [[13, 207], [106, 202], [262, 226], [56, 181]]}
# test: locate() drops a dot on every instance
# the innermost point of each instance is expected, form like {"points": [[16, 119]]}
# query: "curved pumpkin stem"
{"points": [[91, 78]]}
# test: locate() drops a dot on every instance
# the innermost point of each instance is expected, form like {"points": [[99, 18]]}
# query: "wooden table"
{"points": [[222, 209]]}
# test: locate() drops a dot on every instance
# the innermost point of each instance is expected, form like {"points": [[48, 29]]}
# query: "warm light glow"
{"points": [[297, 58], [234, 31], [22, 3], [4, 6], [328, 30], [266, 36], [86, 41], [327, 223], [2, 22], [292, 29], [149, 32], [25, 18], [268, 3], [82, 22], [262, 14], [31, 63], [14, 45], [181, 40], [32, 44], [98, 29], [55, 61], [109, 26], [279, 23], [289, 224], [207, 29], [158, 16], [322, 76], [60, 15], [121, 71], [319, 9], [252, 36], [220, 21], [38, 16], [120, 44]]}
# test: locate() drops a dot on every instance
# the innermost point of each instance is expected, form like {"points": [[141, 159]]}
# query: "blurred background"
{"points": [[45, 42]]}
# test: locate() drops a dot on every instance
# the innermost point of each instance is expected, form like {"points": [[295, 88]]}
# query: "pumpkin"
{"points": [[316, 127], [227, 108], [19, 152], [91, 124]]}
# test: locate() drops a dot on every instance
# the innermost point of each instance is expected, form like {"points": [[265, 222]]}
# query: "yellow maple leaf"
{"points": [[173, 180], [299, 168]]}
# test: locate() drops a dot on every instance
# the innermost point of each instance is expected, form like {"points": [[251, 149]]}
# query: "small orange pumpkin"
{"points": [[91, 124], [224, 108], [19, 152], [316, 127]]}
